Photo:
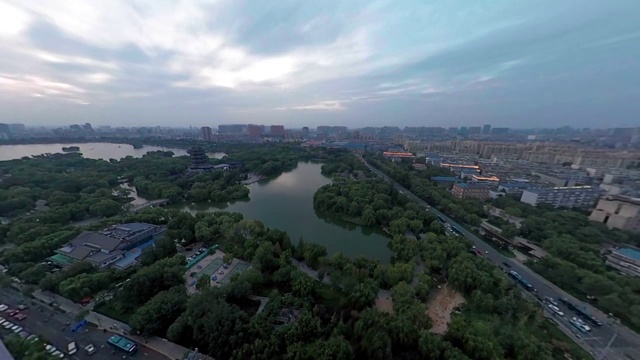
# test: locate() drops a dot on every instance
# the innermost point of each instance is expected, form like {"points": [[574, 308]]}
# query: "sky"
{"points": [[514, 63]]}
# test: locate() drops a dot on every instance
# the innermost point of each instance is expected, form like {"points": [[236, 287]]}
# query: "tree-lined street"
{"points": [[625, 342]]}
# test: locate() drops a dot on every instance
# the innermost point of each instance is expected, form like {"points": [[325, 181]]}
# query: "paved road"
{"points": [[51, 325], [623, 343]]}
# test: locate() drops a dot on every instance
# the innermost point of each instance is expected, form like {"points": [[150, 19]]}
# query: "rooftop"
{"points": [[631, 253], [472, 186], [444, 178], [623, 198]]}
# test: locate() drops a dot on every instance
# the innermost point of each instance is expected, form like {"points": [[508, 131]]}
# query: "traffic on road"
{"points": [[603, 339]]}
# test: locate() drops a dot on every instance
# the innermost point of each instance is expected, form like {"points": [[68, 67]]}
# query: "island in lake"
{"points": [[71, 148]]}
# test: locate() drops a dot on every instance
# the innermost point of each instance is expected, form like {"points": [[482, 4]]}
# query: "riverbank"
{"points": [[253, 178]]}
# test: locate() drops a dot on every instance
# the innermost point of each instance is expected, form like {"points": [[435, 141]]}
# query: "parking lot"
{"points": [[54, 328], [212, 267]]}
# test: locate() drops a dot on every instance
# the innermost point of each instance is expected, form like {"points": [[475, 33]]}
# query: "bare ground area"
{"points": [[441, 307], [384, 304]]}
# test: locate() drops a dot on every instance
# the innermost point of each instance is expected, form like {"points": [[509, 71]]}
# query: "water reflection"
{"points": [[286, 203]]}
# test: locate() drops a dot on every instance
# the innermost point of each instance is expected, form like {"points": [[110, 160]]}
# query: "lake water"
{"points": [[103, 151], [286, 203]]}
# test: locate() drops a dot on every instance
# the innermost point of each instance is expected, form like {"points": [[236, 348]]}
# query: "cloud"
{"points": [[322, 105], [247, 61]]}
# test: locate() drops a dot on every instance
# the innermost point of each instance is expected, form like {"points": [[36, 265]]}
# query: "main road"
{"points": [[610, 341]]}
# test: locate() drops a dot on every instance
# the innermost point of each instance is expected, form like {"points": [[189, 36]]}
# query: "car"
{"points": [[486, 251], [20, 316], [556, 310], [8, 325], [551, 300], [479, 252], [90, 349], [3, 307], [2, 322], [86, 301], [473, 246], [33, 338], [58, 354], [22, 307], [506, 264], [13, 312], [220, 272], [16, 329], [50, 348], [188, 249]]}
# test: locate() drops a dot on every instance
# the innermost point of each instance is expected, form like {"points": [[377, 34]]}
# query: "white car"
{"points": [[8, 325], [58, 354], [16, 329], [90, 349], [3, 307], [556, 310]]}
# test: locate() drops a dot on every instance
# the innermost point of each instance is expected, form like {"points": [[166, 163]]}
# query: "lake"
{"points": [[103, 151], [286, 203]]}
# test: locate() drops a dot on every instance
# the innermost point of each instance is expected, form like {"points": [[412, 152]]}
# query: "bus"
{"points": [[441, 219], [522, 281], [123, 344], [456, 230]]}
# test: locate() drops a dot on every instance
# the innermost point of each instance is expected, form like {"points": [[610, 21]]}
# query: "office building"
{"points": [[305, 132], [486, 129], [206, 133], [582, 197], [470, 191], [618, 212], [277, 130]]}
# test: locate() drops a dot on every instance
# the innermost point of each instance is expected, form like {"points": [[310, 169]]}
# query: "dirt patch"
{"points": [[384, 304], [441, 307]]}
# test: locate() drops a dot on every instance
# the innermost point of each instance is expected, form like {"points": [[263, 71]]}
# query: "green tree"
{"points": [[156, 315]]}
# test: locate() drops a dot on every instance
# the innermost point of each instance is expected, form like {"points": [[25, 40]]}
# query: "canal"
{"points": [[286, 203]]}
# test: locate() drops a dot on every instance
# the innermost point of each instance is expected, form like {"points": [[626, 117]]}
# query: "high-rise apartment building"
{"points": [[277, 130], [206, 133], [486, 129], [305, 132], [255, 130]]}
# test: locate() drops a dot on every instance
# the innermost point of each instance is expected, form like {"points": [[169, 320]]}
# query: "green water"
{"points": [[286, 203]]}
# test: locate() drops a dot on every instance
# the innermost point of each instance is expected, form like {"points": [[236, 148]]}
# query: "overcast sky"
{"points": [[516, 63]]}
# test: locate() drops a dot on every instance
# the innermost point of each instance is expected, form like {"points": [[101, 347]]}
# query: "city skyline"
{"points": [[511, 64]]}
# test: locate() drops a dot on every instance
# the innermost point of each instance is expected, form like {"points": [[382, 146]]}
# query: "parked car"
{"points": [[22, 307], [506, 264], [3, 307], [90, 349], [20, 316], [13, 312], [33, 338]]}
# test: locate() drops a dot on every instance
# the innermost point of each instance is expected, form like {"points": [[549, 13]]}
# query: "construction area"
{"points": [[441, 306]]}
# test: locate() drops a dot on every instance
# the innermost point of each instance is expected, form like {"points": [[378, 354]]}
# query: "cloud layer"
{"points": [[516, 63]]}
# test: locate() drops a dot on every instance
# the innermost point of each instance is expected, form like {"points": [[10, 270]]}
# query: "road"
{"points": [[619, 341], [52, 326]]}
